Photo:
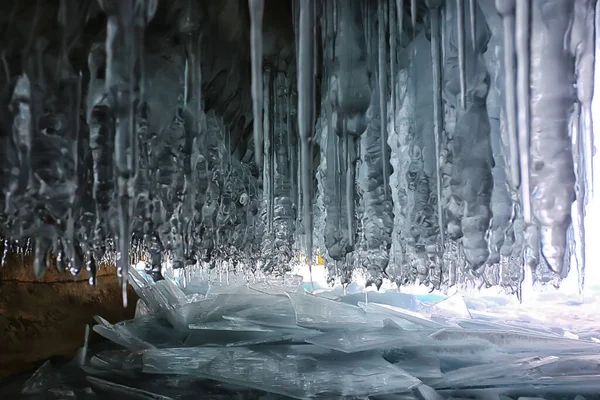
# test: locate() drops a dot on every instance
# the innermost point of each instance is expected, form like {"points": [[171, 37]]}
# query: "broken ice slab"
{"points": [[200, 287], [178, 361], [319, 313], [520, 343], [154, 330], [139, 280], [208, 337], [478, 324], [300, 372], [163, 295], [41, 379], [141, 309], [278, 285], [231, 333], [212, 309], [288, 336], [500, 372], [395, 396], [356, 341], [185, 314], [395, 299], [445, 356], [225, 325], [451, 307], [122, 391], [279, 314], [423, 365], [406, 319], [113, 360], [425, 392], [229, 303], [571, 369], [120, 335]]}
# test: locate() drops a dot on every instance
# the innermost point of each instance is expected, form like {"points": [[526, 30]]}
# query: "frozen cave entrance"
{"points": [[311, 199]]}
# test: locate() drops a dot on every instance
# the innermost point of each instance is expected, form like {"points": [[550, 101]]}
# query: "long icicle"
{"points": [[382, 78], [523, 107], [413, 16], [506, 8], [473, 19], [256, 45], [437, 112], [120, 72], [350, 178], [460, 37], [400, 16], [577, 139], [392, 26], [306, 90]]}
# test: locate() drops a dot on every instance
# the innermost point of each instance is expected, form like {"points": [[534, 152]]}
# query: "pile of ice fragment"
{"points": [[271, 339]]}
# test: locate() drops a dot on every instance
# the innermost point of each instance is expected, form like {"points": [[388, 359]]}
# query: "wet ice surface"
{"points": [[271, 339]]}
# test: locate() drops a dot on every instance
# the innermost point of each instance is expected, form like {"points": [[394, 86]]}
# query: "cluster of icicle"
{"points": [[449, 151], [454, 138]]}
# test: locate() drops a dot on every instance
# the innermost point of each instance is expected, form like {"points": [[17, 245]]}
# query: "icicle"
{"points": [[42, 246], [256, 45], [291, 149], [383, 88], [306, 91], [438, 109], [400, 17], [122, 44], [506, 8], [5, 253], [523, 107], [268, 162], [546, 102], [577, 137], [582, 46], [473, 19], [413, 16], [349, 146], [91, 268], [392, 26], [460, 37]]}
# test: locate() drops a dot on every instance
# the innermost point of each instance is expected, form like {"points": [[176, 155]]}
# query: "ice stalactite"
{"points": [[268, 168], [306, 118], [256, 43], [122, 85], [502, 134], [438, 112], [460, 40], [582, 46], [345, 105], [413, 15], [399, 270], [284, 207], [522, 47], [190, 30], [552, 97], [278, 201], [472, 160], [415, 205], [378, 214], [506, 8], [473, 20], [382, 80]]}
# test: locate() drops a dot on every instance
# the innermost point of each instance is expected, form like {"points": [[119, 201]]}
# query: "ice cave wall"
{"points": [[423, 141]]}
